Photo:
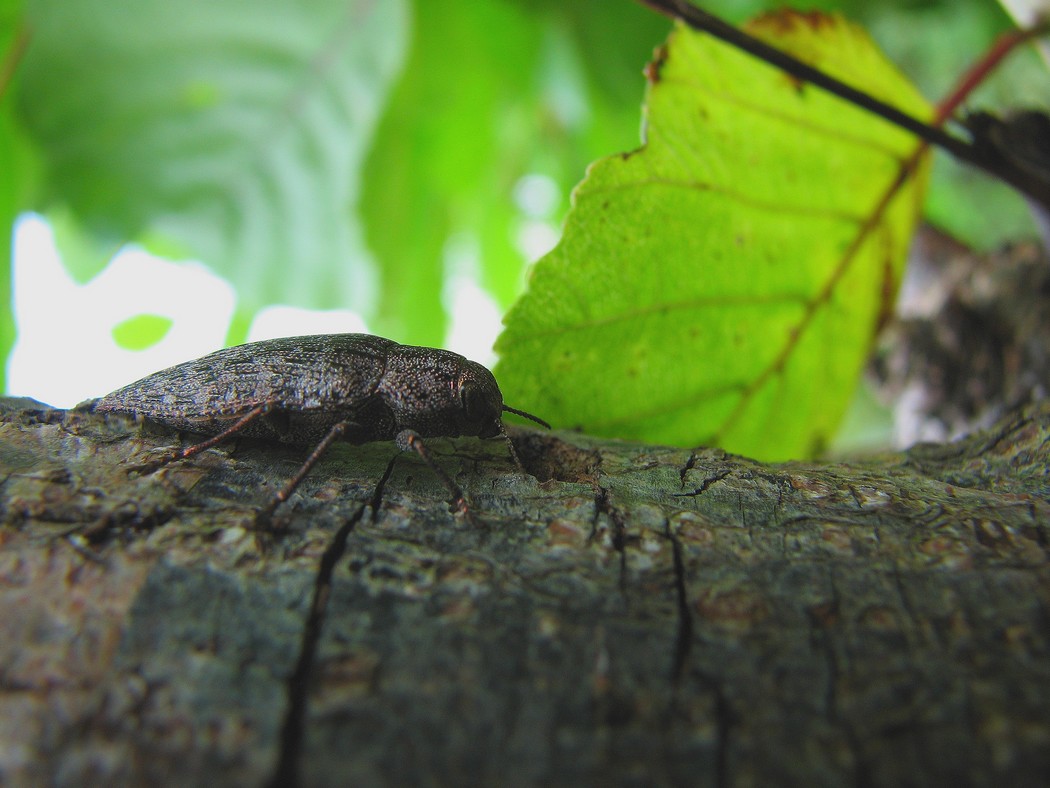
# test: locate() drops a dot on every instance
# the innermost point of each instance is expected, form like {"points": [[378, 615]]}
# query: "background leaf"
{"points": [[492, 91], [235, 128], [84, 254], [244, 134], [723, 283], [18, 163], [141, 331], [423, 175]]}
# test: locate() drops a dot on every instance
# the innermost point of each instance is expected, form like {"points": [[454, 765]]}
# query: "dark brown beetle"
{"points": [[315, 390]]}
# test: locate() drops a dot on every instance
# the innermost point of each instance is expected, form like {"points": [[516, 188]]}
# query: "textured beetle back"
{"points": [[328, 376]]}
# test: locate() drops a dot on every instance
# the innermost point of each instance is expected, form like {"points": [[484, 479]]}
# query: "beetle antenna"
{"points": [[528, 416]]}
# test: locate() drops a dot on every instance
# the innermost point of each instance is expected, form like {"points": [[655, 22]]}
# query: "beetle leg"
{"points": [[335, 433], [410, 440], [258, 412], [513, 452]]}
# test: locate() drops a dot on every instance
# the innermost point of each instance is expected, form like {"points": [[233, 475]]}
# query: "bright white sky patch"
{"points": [[65, 352], [476, 320], [290, 321]]}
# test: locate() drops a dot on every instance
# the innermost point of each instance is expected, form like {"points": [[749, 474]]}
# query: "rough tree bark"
{"points": [[633, 615]]}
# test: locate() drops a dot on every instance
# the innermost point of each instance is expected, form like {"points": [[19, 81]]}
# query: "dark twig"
{"points": [[1017, 177], [1003, 46]]}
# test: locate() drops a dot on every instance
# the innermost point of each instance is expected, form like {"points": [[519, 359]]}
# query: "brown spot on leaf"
{"points": [[785, 21], [796, 84], [655, 66]]}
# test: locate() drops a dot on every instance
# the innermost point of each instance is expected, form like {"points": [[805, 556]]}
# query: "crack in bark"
{"points": [[286, 771], [861, 773], [829, 518], [684, 634], [75, 542], [130, 517], [725, 719], [683, 645], [689, 465], [914, 619], [703, 485], [602, 505]]}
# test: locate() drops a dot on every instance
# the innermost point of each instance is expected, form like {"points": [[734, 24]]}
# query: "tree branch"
{"points": [[691, 616]]}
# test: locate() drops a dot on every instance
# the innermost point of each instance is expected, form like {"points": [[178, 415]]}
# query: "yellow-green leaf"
{"points": [[722, 284], [141, 331]]}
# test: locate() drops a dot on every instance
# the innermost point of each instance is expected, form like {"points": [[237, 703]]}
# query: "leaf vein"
{"points": [[775, 207], [849, 256], [657, 309]]}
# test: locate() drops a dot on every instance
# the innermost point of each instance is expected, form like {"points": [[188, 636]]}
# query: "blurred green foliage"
{"points": [[17, 163], [325, 154]]}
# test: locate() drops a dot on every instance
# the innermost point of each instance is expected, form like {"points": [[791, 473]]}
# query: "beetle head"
{"points": [[438, 393], [480, 401], [441, 394], [480, 395]]}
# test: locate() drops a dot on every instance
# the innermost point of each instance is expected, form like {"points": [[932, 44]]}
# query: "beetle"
{"points": [[315, 390]]}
